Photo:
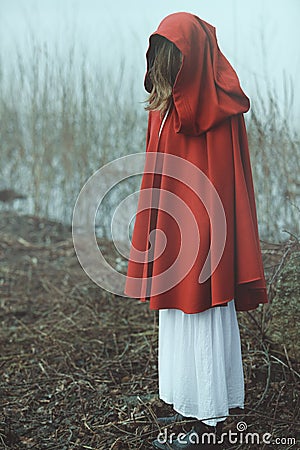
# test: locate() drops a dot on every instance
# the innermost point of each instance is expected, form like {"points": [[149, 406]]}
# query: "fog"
{"points": [[260, 38]]}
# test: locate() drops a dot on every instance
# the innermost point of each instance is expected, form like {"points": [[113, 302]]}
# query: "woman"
{"points": [[195, 253]]}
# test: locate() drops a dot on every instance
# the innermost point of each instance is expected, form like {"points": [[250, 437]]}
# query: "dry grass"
{"points": [[275, 155], [79, 366], [63, 116]]}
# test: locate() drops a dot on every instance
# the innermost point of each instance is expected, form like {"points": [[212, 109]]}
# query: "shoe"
{"points": [[171, 419]]}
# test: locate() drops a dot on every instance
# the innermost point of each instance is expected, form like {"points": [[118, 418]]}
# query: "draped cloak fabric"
{"points": [[204, 126]]}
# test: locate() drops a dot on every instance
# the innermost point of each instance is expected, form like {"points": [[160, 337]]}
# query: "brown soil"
{"points": [[78, 365]]}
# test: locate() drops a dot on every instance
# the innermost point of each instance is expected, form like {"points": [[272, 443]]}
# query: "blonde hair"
{"points": [[163, 70]]}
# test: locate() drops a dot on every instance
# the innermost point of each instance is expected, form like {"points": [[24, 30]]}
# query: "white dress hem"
{"points": [[200, 362]]}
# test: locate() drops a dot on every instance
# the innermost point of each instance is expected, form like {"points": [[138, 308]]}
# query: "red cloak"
{"points": [[205, 133]]}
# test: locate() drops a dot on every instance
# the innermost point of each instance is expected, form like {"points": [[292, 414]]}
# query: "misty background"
{"points": [[71, 93]]}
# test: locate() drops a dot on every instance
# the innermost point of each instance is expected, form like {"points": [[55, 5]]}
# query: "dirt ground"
{"points": [[78, 365]]}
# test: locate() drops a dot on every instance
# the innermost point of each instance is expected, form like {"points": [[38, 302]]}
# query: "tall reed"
{"points": [[60, 120], [62, 117], [275, 156]]}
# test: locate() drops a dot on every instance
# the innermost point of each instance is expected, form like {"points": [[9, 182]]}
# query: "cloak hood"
{"points": [[207, 90]]}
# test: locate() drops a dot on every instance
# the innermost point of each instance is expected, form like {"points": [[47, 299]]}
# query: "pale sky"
{"points": [[259, 37]]}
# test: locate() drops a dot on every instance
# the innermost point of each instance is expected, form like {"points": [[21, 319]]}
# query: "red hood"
{"points": [[207, 90]]}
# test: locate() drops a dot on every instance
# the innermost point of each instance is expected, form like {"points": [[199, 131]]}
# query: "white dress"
{"points": [[200, 362]]}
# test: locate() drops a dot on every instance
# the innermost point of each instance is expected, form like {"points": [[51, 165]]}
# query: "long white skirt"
{"points": [[200, 363]]}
